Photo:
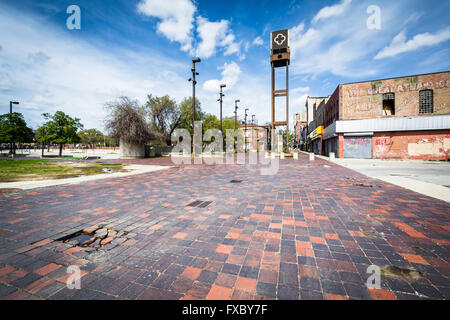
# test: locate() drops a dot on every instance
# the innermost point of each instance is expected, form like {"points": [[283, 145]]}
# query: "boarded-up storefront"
{"points": [[358, 147]]}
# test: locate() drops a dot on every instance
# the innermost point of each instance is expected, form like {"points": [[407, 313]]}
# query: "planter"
{"points": [[131, 150]]}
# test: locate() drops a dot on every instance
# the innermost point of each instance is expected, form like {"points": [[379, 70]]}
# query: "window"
{"points": [[389, 104], [426, 101]]}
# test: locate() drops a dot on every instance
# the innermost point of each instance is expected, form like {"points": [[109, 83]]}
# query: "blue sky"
{"points": [[141, 47]]}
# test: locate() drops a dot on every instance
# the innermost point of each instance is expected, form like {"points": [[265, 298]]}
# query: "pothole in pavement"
{"points": [[236, 181], [407, 273], [358, 183], [94, 238]]}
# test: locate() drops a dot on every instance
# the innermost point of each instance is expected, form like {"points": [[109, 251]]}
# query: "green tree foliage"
{"points": [[228, 124], [13, 128], [91, 137], [186, 114], [210, 121], [126, 121], [60, 128], [164, 116], [291, 139], [43, 137]]}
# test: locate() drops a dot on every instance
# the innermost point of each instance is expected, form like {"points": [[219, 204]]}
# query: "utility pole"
{"points": [[13, 149], [245, 131], [253, 128], [235, 113], [194, 73], [221, 100]]}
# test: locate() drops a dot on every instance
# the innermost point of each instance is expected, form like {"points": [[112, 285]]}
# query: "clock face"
{"points": [[280, 39]]}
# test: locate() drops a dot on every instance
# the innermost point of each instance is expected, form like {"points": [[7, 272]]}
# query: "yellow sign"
{"points": [[316, 133]]}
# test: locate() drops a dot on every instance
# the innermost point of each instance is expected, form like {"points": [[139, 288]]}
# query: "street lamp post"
{"points": [[13, 149], [194, 73], [235, 113], [253, 129], [221, 100], [245, 131]]}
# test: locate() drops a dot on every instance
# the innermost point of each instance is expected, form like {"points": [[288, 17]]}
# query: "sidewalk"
{"points": [[425, 177]]}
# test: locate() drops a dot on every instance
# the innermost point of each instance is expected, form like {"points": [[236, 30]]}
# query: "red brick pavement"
{"points": [[308, 232]]}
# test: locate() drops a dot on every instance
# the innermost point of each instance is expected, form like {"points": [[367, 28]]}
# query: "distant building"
{"points": [[300, 121], [256, 137], [312, 105], [404, 117]]}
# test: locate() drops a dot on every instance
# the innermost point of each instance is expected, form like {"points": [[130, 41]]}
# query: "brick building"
{"points": [[299, 123], [257, 137], [312, 105], [404, 117]]}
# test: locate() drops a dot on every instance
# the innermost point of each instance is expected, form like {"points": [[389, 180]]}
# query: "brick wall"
{"points": [[430, 145], [364, 100], [332, 108]]}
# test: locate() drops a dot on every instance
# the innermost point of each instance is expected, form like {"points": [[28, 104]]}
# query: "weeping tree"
{"points": [[164, 116], [126, 123]]}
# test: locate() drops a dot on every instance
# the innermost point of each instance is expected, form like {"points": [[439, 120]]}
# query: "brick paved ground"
{"points": [[309, 232]]}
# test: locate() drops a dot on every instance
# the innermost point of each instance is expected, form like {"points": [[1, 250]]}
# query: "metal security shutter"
{"points": [[358, 147]]}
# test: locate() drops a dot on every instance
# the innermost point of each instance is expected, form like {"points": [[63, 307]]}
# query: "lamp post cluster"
{"points": [[221, 95]]}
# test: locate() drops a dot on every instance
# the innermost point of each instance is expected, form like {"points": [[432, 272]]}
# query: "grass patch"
{"points": [[12, 170]]}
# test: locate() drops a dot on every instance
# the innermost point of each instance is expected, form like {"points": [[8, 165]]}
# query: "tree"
{"points": [[210, 121], [228, 124], [91, 137], [186, 114], [164, 116], [60, 128], [13, 128], [291, 138], [126, 121], [43, 136]]}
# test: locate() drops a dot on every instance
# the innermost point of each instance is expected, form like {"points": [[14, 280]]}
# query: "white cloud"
{"points": [[343, 45], [177, 24], [400, 45], [258, 41], [331, 11], [256, 97], [298, 102], [300, 90], [72, 75], [177, 19], [230, 76], [214, 35]]}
